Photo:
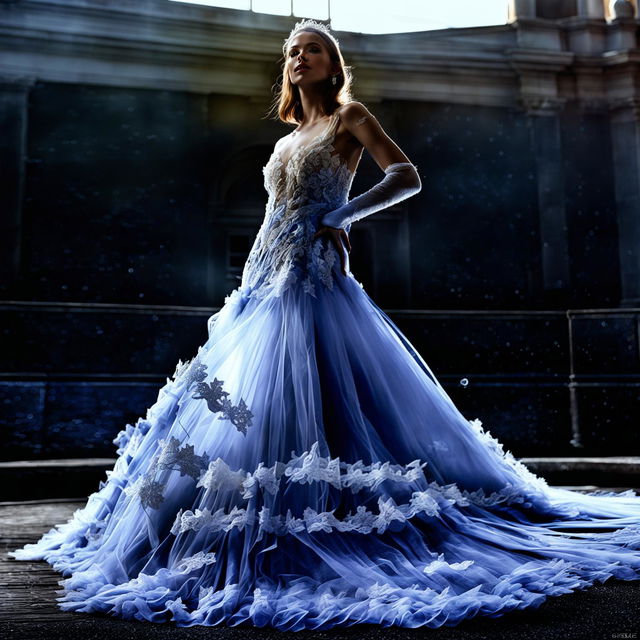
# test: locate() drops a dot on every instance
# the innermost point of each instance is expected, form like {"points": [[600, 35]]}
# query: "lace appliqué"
{"points": [[173, 455], [314, 180], [195, 372], [183, 459], [200, 559], [306, 468], [148, 490], [362, 521], [311, 467], [438, 445], [217, 521]]}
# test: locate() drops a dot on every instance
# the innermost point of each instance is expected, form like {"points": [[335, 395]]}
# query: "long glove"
{"points": [[401, 181]]}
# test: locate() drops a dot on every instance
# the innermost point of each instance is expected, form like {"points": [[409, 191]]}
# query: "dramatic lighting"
{"points": [[379, 16]]}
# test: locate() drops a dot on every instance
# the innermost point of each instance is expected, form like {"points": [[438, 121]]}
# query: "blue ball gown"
{"points": [[306, 470]]}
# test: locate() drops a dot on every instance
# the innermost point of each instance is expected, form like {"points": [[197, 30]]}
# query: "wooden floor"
{"points": [[29, 609]]}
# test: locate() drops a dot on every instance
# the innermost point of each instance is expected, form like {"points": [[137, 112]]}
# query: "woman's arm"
{"points": [[401, 177], [366, 128]]}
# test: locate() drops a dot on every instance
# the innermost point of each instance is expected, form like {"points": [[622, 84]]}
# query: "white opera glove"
{"points": [[401, 181]]}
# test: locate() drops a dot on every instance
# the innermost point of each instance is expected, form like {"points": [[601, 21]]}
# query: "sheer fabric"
{"points": [[400, 182], [306, 469]]}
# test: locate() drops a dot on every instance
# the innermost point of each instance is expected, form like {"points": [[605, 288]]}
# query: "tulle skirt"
{"points": [[306, 470]]}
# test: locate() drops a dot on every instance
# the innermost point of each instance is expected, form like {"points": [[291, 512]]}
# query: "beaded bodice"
{"points": [[313, 173], [313, 181]]}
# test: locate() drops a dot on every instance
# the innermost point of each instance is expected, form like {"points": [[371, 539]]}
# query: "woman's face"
{"points": [[308, 59]]}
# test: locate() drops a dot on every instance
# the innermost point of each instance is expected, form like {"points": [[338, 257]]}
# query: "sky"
{"points": [[380, 16]]}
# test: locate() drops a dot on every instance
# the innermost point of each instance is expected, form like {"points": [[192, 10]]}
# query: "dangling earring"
{"points": [[334, 80]]}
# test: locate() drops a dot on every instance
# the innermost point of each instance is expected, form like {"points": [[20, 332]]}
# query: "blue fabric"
{"points": [[306, 470]]}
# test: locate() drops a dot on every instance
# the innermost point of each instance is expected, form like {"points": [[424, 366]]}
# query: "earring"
{"points": [[334, 80]]}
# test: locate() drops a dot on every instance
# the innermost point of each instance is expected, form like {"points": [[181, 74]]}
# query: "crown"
{"points": [[309, 23]]}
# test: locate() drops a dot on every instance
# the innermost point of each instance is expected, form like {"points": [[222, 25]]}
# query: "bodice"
{"points": [[314, 173], [314, 180]]}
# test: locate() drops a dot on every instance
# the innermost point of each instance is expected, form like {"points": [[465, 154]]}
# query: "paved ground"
{"points": [[29, 609]]}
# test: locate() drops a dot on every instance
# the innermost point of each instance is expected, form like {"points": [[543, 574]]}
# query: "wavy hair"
{"points": [[286, 105]]}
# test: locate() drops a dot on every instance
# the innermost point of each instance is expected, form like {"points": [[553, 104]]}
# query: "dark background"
{"points": [[136, 207]]}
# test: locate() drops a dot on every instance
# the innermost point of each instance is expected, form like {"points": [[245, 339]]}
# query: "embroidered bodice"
{"points": [[313, 181]]}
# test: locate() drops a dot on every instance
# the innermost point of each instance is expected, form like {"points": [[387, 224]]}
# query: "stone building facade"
{"points": [[133, 136]]}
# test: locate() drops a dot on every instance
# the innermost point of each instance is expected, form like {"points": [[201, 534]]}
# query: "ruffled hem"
{"points": [[306, 604], [184, 593], [432, 554]]}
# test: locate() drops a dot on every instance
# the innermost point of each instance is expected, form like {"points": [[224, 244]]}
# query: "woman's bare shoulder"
{"points": [[354, 113]]}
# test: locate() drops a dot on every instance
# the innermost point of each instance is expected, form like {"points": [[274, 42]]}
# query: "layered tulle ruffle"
{"points": [[306, 470]]}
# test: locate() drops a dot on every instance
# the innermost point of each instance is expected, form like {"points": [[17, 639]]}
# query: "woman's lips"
{"points": [[302, 69]]}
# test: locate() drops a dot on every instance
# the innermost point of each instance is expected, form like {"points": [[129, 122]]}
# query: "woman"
{"points": [[306, 469]]}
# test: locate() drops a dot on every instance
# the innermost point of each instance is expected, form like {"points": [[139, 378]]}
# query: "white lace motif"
{"points": [[200, 559], [311, 467], [314, 180]]}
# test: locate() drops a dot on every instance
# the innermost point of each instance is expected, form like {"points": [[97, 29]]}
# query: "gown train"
{"points": [[306, 469]]}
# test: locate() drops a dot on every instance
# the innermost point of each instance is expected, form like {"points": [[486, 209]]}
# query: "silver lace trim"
{"points": [[306, 468], [315, 174]]}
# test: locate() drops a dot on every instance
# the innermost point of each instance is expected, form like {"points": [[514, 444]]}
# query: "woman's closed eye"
{"points": [[294, 52]]}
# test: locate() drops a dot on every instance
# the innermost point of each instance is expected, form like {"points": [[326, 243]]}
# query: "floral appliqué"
{"points": [[175, 456], [313, 181], [195, 372], [200, 559]]}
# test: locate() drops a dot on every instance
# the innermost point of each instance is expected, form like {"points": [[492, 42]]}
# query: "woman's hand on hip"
{"points": [[337, 236]]}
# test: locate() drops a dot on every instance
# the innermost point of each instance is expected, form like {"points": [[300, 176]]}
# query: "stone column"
{"points": [[538, 67], [625, 140], [14, 94], [521, 9], [591, 9], [544, 123]]}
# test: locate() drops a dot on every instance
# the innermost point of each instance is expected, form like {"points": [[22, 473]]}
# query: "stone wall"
{"points": [[133, 140]]}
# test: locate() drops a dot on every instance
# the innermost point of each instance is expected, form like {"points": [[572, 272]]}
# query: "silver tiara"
{"points": [[309, 23]]}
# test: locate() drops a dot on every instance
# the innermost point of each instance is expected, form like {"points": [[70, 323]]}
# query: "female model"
{"points": [[306, 470]]}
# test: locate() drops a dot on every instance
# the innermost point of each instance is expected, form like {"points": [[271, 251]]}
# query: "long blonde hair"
{"points": [[286, 105]]}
